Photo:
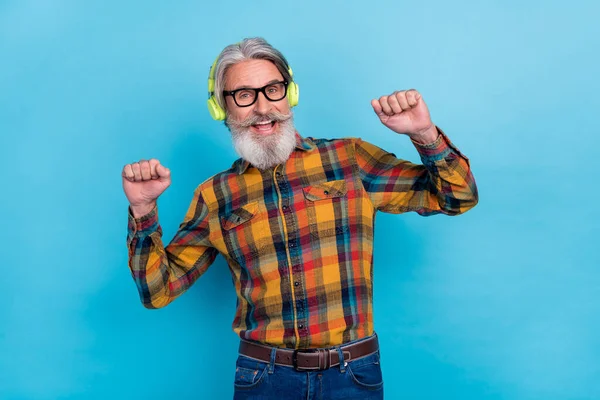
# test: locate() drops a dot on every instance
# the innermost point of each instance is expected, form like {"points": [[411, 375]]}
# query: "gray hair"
{"points": [[248, 49]]}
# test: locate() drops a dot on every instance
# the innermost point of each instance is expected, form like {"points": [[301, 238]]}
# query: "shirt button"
{"points": [[285, 207], [292, 244], [326, 192], [296, 283], [301, 326]]}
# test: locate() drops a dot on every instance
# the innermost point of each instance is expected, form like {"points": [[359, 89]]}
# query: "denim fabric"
{"points": [[359, 379]]}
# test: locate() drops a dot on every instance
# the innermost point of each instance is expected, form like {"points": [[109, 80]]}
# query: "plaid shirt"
{"points": [[298, 237]]}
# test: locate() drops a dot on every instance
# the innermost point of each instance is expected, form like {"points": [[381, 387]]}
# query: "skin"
{"points": [[254, 74], [403, 112]]}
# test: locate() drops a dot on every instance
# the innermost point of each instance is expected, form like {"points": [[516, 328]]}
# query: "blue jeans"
{"points": [[259, 380]]}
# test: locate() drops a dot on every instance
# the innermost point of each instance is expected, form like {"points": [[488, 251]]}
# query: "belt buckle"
{"points": [[295, 359]]}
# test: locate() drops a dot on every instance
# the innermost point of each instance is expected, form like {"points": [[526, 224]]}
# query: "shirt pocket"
{"points": [[245, 231], [239, 216], [326, 204]]}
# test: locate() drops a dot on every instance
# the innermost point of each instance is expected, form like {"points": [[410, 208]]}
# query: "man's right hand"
{"points": [[143, 182]]}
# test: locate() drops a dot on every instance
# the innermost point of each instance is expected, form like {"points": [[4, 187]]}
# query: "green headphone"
{"points": [[219, 114]]}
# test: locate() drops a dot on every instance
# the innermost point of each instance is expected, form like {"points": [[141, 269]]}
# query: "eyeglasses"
{"points": [[245, 97]]}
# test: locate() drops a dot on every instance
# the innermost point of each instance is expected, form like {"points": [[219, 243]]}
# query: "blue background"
{"points": [[499, 303]]}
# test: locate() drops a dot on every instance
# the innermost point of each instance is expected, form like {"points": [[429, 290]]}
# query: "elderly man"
{"points": [[293, 217]]}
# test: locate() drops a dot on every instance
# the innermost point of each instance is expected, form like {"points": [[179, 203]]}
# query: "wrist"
{"points": [[139, 210], [427, 136]]}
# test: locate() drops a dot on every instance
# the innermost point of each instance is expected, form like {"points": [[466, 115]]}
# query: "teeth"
{"points": [[264, 123]]}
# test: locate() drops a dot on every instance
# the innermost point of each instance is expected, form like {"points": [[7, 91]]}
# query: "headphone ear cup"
{"points": [[293, 94], [216, 112]]}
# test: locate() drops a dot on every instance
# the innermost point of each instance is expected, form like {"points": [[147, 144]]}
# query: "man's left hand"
{"points": [[406, 112]]}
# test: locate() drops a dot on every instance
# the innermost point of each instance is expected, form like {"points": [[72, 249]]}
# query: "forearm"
{"points": [[163, 273], [148, 262], [160, 273], [451, 181], [442, 184]]}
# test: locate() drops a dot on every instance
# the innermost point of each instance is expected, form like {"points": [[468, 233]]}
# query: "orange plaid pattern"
{"points": [[298, 237]]}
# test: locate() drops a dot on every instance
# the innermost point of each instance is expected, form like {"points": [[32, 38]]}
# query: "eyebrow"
{"points": [[247, 87]]}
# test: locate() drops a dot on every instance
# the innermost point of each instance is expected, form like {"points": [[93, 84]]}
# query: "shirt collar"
{"points": [[303, 144]]}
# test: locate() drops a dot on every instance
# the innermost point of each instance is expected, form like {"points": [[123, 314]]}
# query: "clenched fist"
{"points": [[406, 112], [143, 182]]}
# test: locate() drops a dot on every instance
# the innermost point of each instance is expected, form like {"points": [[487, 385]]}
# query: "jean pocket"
{"points": [[249, 373], [366, 372]]}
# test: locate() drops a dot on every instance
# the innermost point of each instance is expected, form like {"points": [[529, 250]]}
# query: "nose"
{"points": [[263, 105]]}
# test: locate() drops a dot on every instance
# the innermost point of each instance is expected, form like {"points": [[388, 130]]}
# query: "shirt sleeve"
{"points": [[162, 274], [443, 184]]}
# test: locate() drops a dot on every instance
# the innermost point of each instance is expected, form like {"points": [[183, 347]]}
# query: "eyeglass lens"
{"points": [[273, 92]]}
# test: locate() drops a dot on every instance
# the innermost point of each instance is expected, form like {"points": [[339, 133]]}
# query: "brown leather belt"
{"points": [[316, 359]]}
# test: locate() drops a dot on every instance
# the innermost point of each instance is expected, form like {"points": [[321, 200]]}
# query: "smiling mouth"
{"points": [[264, 127]]}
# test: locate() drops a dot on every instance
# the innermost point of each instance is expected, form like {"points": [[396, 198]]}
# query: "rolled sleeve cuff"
{"points": [[437, 150], [145, 224]]}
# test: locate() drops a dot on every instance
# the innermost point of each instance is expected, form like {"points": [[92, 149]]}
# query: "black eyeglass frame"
{"points": [[256, 92]]}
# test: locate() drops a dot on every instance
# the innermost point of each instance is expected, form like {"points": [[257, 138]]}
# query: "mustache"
{"points": [[258, 118]]}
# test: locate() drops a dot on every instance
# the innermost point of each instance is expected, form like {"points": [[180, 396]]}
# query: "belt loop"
{"points": [[272, 362], [341, 359]]}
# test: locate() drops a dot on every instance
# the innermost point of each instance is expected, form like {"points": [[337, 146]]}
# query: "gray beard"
{"points": [[264, 151]]}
